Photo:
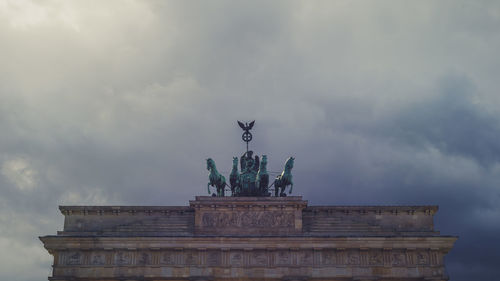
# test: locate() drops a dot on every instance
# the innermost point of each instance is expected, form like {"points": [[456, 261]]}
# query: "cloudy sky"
{"points": [[120, 103]]}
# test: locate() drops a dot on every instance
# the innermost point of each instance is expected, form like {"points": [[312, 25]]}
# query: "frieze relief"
{"points": [[375, 258], [353, 258], [248, 219], [258, 258], [74, 258], [123, 258], [236, 259], [305, 258], [168, 258], [422, 258], [214, 258], [282, 258], [191, 258], [398, 259], [253, 258], [328, 258], [144, 258], [97, 258]]}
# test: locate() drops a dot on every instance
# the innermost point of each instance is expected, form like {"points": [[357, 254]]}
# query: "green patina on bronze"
{"points": [[262, 178], [285, 179], [215, 179], [253, 178]]}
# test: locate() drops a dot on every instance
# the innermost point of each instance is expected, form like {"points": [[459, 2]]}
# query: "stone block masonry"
{"points": [[248, 238]]}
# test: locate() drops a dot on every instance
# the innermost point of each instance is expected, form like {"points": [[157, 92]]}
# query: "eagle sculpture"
{"points": [[246, 127]]}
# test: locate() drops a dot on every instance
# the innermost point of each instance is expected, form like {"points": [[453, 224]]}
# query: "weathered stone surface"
{"points": [[248, 215], [127, 220], [249, 239]]}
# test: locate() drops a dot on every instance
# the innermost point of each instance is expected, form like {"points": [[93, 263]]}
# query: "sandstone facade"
{"points": [[248, 238]]}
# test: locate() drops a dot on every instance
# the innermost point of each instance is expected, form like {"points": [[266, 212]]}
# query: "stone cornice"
{"points": [[395, 210], [124, 210], [230, 203]]}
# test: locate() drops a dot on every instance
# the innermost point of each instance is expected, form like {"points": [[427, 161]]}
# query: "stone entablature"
{"points": [[256, 216], [232, 257], [248, 238]]}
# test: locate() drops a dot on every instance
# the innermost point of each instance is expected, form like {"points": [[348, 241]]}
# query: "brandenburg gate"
{"points": [[250, 235]]}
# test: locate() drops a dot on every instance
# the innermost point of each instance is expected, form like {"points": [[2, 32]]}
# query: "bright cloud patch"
{"points": [[19, 172]]}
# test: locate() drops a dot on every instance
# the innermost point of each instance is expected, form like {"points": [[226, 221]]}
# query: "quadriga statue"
{"points": [[253, 180]]}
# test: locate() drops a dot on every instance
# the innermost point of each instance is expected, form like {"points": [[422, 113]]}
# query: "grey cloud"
{"points": [[453, 122], [120, 103]]}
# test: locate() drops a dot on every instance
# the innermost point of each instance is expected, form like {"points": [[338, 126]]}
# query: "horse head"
{"points": [[263, 162], [235, 162], [210, 163], [289, 163]]}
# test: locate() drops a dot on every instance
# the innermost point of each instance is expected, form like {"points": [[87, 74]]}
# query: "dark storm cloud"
{"points": [[452, 122], [121, 102], [440, 150]]}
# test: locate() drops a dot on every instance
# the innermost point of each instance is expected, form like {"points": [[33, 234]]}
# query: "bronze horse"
{"points": [[216, 180], [285, 179], [262, 178], [234, 178]]}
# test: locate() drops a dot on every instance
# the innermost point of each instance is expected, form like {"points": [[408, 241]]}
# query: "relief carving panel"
{"points": [[282, 258], [214, 258], [168, 258], [97, 258], [254, 258], [123, 258], [353, 258], [305, 258], [422, 258], [398, 259], [191, 258], [248, 219], [376, 258], [328, 258], [143, 258], [259, 258], [74, 258], [236, 259]]}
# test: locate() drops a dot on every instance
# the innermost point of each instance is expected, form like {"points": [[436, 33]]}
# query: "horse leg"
{"points": [[208, 188], [283, 190], [291, 187], [217, 186]]}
